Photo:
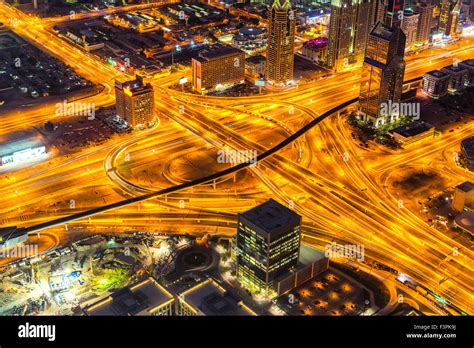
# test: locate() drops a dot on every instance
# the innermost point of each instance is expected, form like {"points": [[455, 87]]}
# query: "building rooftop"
{"points": [[465, 220], [318, 43], [313, 13], [134, 87], [453, 68], [143, 298], [436, 73], [382, 31], [219, 52], [469, 62], [309, 255], [9, 148], [212, 299], [250, 31], [271, 216], [282, 5], [466, 186], [256, 59], [408, 13], [412, 129]]}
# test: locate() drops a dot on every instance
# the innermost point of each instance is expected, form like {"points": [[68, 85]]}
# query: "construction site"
{"points": [[66, 280]]}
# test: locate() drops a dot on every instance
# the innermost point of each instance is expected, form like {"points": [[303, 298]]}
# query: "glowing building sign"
{"points": [[24, 156]]}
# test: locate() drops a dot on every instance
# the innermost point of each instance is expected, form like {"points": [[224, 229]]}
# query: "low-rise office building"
{"points": [[22, 151], [436, 83], [255, 66], [311, 262], [208, 298], [315, 49], [413, 132], [468, 64], [463, 198], [144, 298], [458, 77]]}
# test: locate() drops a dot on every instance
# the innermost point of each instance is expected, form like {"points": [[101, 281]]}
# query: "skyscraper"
{"points": [[409, 26], [134, 102], [445, 8], [280, 43], [268, 245], [382, 74], [448, 17], [377, 12], [425, 11], [349, 27], [394, 13]]}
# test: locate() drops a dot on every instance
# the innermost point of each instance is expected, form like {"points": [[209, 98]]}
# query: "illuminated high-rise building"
{"points": [[134, 102], [394, 13], [471, 10], [409, 27], [377, 12], [218, 68], [425, 11], [348, 30], [445, 8], [382, 75], [448, 17], [267, 245], [280, 43]]}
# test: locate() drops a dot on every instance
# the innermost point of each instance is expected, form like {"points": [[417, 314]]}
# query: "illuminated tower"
{"points": [[444, 14], [377, 12], [268, 245], [280, 43], [382, 75], [394, 14], [134, 102], [409, 26], [425, 10], [448, 17], [348, 32]]}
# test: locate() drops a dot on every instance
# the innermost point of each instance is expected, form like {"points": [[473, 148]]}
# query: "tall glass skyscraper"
{"points": [[267, 245], [425, 10], [382, 74], [349, 26], [448, 17], [394, 14], [280, 43]]}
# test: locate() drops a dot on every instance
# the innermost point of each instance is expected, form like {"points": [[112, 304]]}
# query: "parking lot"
{"points": [[28, 75], [331, 293]]}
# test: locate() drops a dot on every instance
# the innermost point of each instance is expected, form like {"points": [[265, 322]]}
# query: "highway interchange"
{"points": [[150, 179]]}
